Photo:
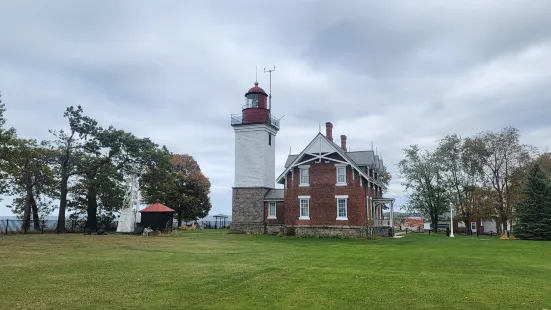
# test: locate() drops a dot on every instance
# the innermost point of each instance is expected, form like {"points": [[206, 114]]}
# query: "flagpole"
{"points": [[451, 220]]}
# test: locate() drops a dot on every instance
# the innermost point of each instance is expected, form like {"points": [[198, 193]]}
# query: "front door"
{"points": [[473, 227]]}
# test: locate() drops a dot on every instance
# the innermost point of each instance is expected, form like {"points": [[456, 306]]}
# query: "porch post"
{"points": [[392, 216]]}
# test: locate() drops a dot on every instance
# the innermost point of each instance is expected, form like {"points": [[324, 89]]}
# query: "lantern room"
{"points": [[256, 109], [256, 98]]}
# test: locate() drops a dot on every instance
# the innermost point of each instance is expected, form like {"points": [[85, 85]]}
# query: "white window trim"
{"points": [[299, 207], [345, 197], [337, 166], [272, 217], [300, 175]]}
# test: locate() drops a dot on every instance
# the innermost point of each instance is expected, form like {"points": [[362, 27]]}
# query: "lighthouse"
{"points": [[255, 140]]}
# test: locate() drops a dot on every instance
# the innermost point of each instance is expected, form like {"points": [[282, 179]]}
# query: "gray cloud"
{"points": [[395, 74]]}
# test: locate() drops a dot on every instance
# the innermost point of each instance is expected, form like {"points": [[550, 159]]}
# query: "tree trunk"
{"points": [[92, 210], [27, 210], [502, 213], [504, 222], [498, 225], [62, 201], [179, 217], [36, 218], [435, 223], [466, 219]]}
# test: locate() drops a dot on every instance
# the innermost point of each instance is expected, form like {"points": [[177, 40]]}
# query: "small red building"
{"points": [[157, 217]]}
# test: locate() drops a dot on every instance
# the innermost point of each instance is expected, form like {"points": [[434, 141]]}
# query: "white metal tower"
{"points": [[129, 214]]}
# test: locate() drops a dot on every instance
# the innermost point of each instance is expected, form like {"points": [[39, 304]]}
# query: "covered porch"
{"points": [[375, 216]]}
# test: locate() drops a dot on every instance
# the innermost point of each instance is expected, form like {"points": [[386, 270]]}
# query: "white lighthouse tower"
{"points": [[255, 139]]}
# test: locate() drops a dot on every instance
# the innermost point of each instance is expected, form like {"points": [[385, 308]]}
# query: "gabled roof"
{"points": [[325, 145], [361, 158], [158, 207]]}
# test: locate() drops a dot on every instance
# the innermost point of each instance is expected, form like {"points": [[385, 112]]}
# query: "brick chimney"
{"points": [[343, 142], [329, 131]]}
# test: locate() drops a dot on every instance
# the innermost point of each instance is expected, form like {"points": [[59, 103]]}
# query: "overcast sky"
{"points": [[392, 72]]}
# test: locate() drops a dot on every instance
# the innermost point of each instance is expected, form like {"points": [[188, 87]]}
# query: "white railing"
{"points": [[381, 223]]}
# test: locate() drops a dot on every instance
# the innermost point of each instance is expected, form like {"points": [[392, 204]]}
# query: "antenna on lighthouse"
{"points": [[270, 95]]}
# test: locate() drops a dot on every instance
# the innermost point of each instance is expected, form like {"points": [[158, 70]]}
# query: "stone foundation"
{"points": [[315, 231], [272, 229], [243, 228], [350, 231]]}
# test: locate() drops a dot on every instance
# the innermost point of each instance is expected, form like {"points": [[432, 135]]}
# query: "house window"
{"points": [[341, 175], [304, 176], [342, 206], [473, 226], [304, 203], [272, 210]]}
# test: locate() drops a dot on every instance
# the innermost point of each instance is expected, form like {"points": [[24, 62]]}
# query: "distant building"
{"points": [[326, 189]]}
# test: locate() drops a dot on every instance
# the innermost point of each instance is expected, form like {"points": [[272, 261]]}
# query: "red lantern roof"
{"points": [[158, 207], [256, 89]]}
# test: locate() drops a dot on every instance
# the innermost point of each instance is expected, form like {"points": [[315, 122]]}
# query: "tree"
{"points": [[98, 193], [385, 177], [422, 173], [462, 173], [157, 177], [500, 153], [193, 187], [31, 176], [534, 210], [70, 147], [99, 169], [7, 138]]}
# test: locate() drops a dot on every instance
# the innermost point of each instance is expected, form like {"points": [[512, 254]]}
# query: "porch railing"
{"points": [[381, 223]]}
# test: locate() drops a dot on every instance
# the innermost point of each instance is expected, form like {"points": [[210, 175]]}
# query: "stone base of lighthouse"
{"points": [[248, 209]]}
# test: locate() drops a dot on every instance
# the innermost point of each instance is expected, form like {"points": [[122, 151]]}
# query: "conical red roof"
{"points": [[256, 89], [158, 207]]}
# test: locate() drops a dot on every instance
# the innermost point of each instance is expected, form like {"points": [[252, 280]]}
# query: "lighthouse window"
{"points": [[252, 101], [269, 139]]}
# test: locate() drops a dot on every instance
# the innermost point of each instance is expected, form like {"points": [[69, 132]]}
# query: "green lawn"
{"points": [[214, 270]]}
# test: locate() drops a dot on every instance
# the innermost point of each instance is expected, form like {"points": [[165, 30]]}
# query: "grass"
{"points": [[214, 270]]}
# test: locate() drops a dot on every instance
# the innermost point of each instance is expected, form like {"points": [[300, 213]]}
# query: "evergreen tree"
{"points": [[534, 209]]}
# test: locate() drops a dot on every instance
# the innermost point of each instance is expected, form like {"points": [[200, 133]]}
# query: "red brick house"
{"points": [[326, 189]]}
